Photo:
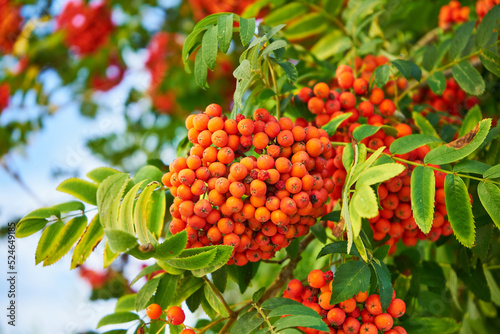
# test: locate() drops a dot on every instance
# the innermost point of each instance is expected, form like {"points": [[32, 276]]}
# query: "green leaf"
{"points": [[247, 322], [70, 206], [109, 195], [350, 278], [220, 278], [276, 45], [166, 290], [292, 309], [319, 232], [382, 75], [495, 291], [157, 207], [331, 44], [225, 31], [461, 147], [337, 247], [365, 130], [141, 214], [332, 216], [285, 13], [120, 241], [145, 293], [485, 29], [108, 256], [491, 61], [189, 285], [48, 241], [148, 173], [364, 201], [70, 233], [306, 26], [126, 210], [472, 118], [332, 126], [101, 173], [384, 282], [424, 125], [408, 69], [83, 190], [471, 166], [171, 247], [90, 239], [125, 303], [209, 47], [290, 70], [468, 78], [492, 172], [192, 42], [314, 322], [437, 82], [144, 272], [197, 261], [117, 318], [461, 38], [274, 30], [422, 197], [200, 70], [409, 143], [459, 209], [222, 255], [431, 325], [489, 195], [247, 29], [30, 224], [214, 301], [429, 59], [377, 174]]}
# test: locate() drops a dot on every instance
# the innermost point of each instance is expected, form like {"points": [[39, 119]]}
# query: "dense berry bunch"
{"points": [[4, 96], [10, 25], [252, 183], [451, 106], [110, 77], [452, 13], [86, 27], [362, 313], [484, 6]]}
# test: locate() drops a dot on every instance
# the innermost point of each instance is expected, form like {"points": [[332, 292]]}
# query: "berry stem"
{"points": [[413, 163]]}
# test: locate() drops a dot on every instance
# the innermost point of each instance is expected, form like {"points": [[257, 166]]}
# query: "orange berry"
{"points": [[316, 278], [175, 315], [200, 122], [153, 311], [321, 90]]}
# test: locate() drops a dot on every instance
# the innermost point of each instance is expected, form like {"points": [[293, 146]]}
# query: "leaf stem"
{"points": [[266, 319], [275, 86], [210, 325]]}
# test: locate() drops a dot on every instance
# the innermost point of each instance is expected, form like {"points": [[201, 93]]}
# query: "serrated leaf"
{"points": [[331, 44], [141, 214], [409, 143], [222, 255], [71, 232], [489, 195], [332, 126], [197, 261], [424, 125], [148, 173], [382, 75], [27, 227], [101, 173], [495, 290], [319, 232], [83, 190], [337, 247], [422, 197], [70, 206], [488, 24], [471, 166], [468, 78], [247, 29], [209, 47], [285, 13], [276, 45], [460, 148], [429, 59], [200, 70], [48, 240], [365, 130], [166, 290], [408, 69], [189, 285], [491, 61], [86, 245], [314, 322], [157, 207], [431, 325], [225, 31], [125, 303], [377, 174], [117, 318], [384, 282], [459, 209], [364, 201], [350, 278], [461, 38], [192, 40], [145, 293], [492, 172], [108, 256], [171, 247], [214, 301], [258, 294], [292, 309], [120, 241], [220, 278], [437, 82], [247, 322], [126, 210], [144, 272], [332, 216], [290, 70], [306, 26], [109, 195], [473, 117]]}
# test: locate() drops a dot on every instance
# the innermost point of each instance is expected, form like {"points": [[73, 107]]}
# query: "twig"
{"points": [[15, 176]]}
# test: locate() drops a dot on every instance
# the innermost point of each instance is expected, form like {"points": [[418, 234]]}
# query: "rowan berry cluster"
{"points": [[452, 13], [10, 25], [86, 27], [362, 313], [451, 106], [174, 315], [226, 195], [111, 76]]}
